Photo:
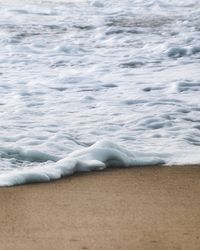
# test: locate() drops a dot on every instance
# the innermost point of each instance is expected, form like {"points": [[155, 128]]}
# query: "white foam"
{"points": [[97, 157]]}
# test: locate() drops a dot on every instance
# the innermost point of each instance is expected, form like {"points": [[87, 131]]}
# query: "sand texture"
{"points": [[127, 209]]}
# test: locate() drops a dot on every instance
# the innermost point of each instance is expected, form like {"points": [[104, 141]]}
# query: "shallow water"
{"points": [[77, 72]]}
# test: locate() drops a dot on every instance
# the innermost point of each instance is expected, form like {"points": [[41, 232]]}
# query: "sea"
{"points": [[90, 84]]}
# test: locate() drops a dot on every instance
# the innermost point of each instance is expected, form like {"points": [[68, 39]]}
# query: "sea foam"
{"points": [[80, 77], [101, 155]]}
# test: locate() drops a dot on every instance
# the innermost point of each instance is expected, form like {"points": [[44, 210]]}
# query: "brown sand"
{"points": [[138, 208]]}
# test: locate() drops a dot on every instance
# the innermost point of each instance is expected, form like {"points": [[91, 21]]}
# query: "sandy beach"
{"points": [[137, 208]]}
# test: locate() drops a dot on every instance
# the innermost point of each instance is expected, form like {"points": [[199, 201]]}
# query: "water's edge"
{"points": [[101, 155]]}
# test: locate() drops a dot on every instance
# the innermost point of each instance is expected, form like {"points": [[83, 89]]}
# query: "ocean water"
{"points": [[90, 84]]}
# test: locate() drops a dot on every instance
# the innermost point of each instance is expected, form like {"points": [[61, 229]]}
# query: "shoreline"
{"points": [[128, 208]]}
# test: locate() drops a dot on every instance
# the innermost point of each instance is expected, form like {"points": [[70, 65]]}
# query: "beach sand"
{"points": [[135, 208]]}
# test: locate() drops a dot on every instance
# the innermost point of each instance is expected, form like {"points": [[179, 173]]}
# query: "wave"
{"points": [[99, 156]]}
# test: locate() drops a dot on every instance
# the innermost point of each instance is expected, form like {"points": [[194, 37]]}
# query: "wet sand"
{"points": [[127, 209]]}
